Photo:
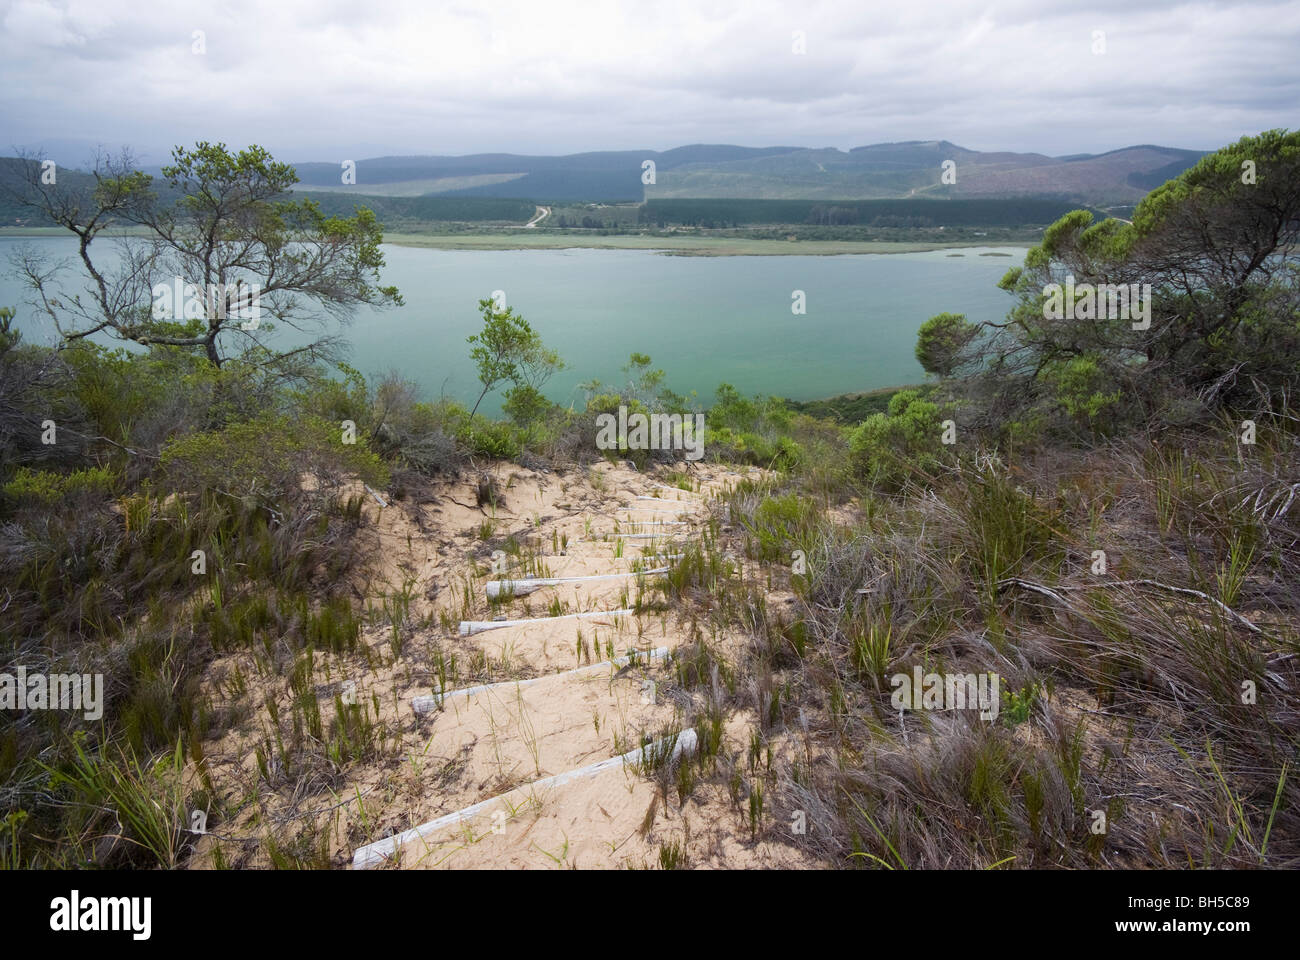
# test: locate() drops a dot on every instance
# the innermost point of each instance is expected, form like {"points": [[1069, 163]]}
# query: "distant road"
{"points": [[542, 214]]}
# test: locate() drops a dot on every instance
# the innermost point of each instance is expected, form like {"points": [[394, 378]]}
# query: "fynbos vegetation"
{"points": [[1037, 612]]}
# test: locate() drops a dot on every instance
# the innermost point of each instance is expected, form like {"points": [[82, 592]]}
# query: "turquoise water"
{"points": [[704, 320]]}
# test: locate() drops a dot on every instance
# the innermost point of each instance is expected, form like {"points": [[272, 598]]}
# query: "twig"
{"points": [[1187, 591], [1035, 587]]}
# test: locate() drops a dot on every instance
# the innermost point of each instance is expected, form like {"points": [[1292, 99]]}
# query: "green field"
{"points": [[692, 246], [674, 246], [916, 212]]}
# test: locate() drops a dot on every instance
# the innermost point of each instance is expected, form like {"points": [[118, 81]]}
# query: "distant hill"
{"points": [[883, 171], [915, 169], [878, 171], [607, 176], [14, 213]]}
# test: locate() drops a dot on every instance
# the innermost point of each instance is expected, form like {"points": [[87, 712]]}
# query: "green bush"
{"points": [[269, 455], [1079, 388], [608, 403], [489, 439], [47, 487], [889, 447], [781, 524], [751, 430], [339, 400]]}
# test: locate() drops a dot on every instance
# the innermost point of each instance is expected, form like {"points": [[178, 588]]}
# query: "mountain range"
{"points": [[884, 170], [909, 170]]}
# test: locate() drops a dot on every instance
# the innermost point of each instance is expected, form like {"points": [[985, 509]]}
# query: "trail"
{"points": [[519, 743], [533, 743], [541, 214], [539, 780]]}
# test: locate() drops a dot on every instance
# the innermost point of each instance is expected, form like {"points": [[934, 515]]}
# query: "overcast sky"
{"points": [[338, 79]]}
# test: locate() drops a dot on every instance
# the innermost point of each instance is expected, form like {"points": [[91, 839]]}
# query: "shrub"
{"points": [[269, 455], [46, 487], [781, 524], [525, 405], [1079, 387], [888, 447], [488, 439]]}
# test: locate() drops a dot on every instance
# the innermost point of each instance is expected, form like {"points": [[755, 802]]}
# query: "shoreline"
{"points": [[660, 245], [687, 246]]}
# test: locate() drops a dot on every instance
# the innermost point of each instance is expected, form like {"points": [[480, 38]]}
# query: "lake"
{"points": [[704, 320]]}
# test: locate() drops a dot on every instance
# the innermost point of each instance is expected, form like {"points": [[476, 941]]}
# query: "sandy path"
{"points": [[491, 748], [511, 736]]}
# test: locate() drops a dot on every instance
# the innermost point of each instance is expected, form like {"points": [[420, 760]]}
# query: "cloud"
{"points": [[322, 79], [39, 23]]}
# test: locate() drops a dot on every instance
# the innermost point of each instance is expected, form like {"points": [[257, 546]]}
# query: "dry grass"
{"points": [[1149, 714]]}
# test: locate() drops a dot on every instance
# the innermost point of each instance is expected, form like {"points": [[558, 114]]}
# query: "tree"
{"points": [[1215, 254], [508, 350], [227, 234], [643, 382]]}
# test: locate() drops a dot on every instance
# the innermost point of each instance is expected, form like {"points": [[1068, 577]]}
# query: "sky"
{"points": [[329, 80]]}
